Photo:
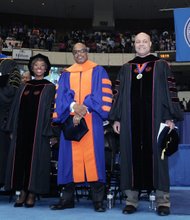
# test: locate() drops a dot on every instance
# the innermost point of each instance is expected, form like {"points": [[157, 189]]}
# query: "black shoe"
{"points": [[129, 209], [21, 200], [30, 200], [29, 205], [99, 207], [18, 204], [163, 210], [62, 204]]}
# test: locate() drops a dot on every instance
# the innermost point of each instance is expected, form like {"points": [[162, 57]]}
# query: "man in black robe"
{"points": [[145, 96]]}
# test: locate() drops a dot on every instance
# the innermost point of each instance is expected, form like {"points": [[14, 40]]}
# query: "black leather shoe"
{"points": [[30, 200], [99, 207], [21, 200], [62, 204], [29, 205], [18, 204], [129, 209], [163, 210]]}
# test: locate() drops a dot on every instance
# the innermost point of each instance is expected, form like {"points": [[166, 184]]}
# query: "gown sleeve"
{"points": [[100, 100], [63, 98], [115, 113], [172, 108]]}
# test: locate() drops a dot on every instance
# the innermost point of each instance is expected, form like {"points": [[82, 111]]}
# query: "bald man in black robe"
{"points": [[145, 96]]}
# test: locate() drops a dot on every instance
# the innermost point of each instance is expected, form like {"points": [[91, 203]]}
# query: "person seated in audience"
{"points": [[26, 76]]}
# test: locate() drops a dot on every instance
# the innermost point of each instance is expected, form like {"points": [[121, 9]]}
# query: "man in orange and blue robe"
{"points": [[84, 90]]}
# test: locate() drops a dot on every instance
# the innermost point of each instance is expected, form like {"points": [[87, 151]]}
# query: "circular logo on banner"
{"points": [[187, 32]]}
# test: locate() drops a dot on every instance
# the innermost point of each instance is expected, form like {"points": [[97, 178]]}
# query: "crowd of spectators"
{"points": [[115, 42], [42, 38], [96, 41]]}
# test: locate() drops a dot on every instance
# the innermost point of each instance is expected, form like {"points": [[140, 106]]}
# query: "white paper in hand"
{"points": [[162, 126]]}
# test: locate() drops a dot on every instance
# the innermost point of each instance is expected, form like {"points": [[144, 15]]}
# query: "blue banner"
{"points": [[182, 31]]}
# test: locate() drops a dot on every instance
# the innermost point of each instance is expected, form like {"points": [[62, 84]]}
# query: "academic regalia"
{"points": [[30, 124], [6, 96], [145, 96], [86, 84], [9, 82]]}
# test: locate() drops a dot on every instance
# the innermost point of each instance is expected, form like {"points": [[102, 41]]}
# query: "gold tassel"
{"points": [[163, 151], [162, 155]]}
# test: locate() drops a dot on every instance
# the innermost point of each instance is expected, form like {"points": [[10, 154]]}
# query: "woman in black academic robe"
{"points": [[29, 123]]}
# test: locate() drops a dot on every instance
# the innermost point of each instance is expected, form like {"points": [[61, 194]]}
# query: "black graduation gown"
{"points": [[6, 97], [141, 105], [30, 123], [9, 82], [141, 122]]}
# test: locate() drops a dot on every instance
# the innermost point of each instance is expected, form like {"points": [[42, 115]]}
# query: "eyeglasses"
{"points": [[75, 52]]}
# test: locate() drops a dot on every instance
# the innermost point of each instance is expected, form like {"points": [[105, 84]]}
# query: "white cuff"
{"points": [[71, 106]]}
